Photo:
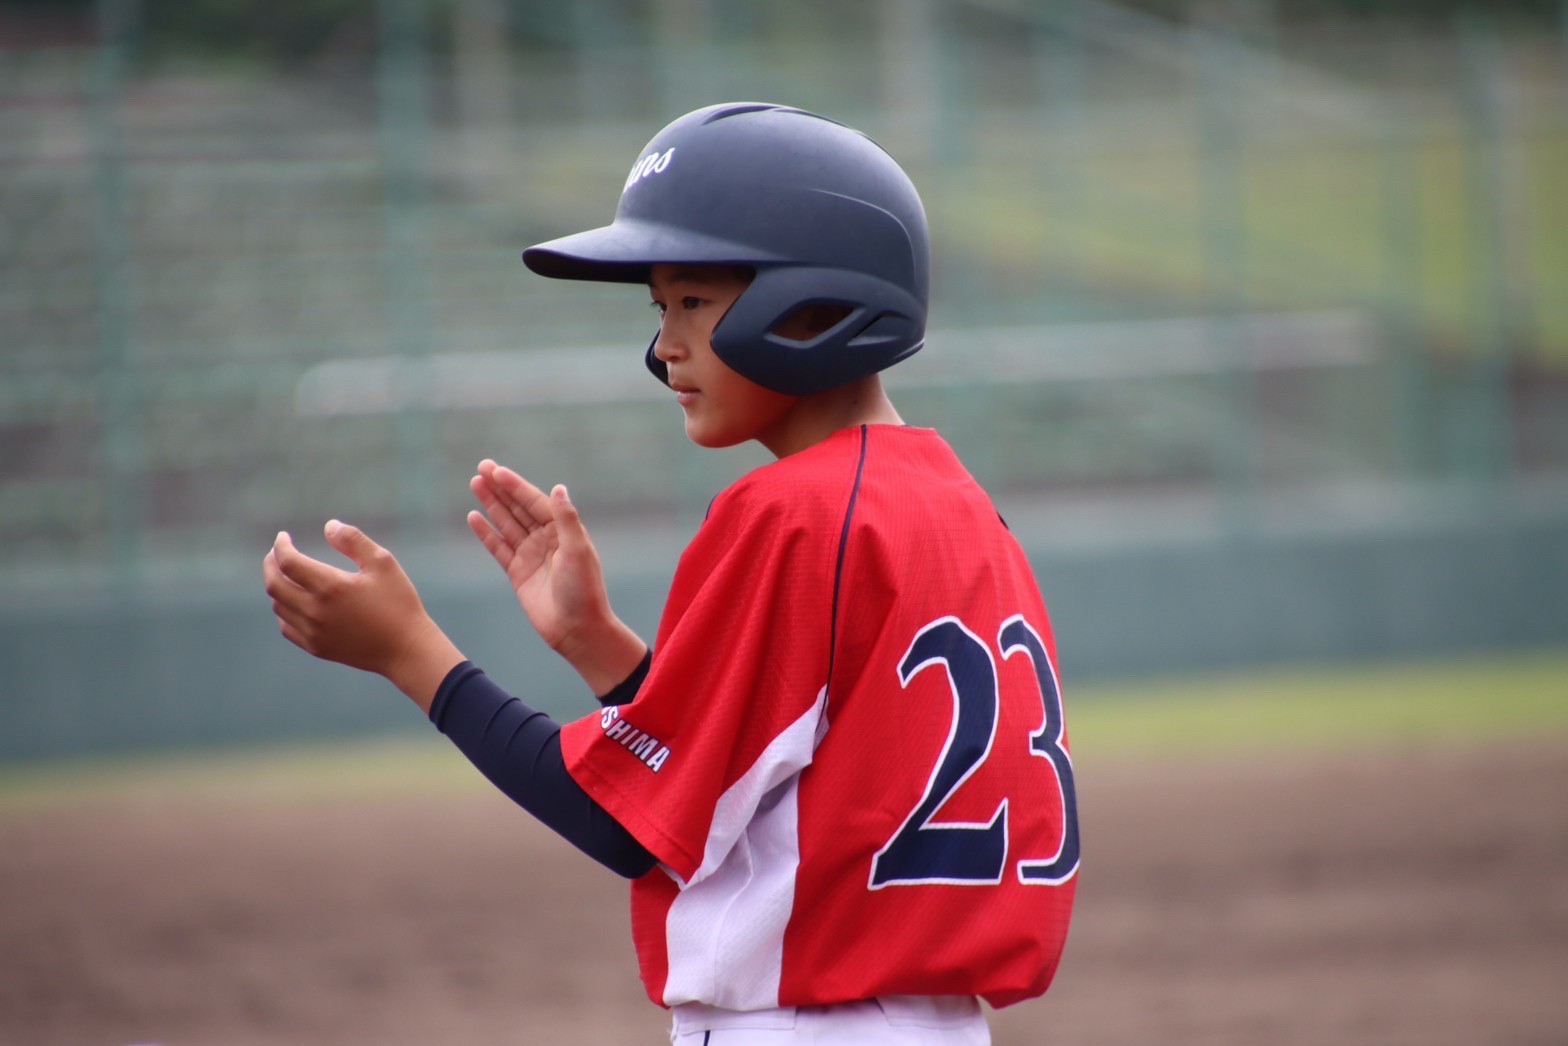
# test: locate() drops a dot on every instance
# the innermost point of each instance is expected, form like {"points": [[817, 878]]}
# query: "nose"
{"points": [[666, 346]]}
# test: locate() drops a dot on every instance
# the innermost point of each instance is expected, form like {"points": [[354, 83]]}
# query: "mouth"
{"points": [[684, 394]]}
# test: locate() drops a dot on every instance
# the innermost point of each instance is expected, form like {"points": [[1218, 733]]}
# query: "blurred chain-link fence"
{"points": [[1234, 261]]}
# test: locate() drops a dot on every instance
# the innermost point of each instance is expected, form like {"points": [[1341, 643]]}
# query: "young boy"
{"points": [[840, 780]]}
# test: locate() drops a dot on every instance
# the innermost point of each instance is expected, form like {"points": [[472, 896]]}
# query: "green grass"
{"points": [[1463, 702], [1236, 715], [385, 768]]}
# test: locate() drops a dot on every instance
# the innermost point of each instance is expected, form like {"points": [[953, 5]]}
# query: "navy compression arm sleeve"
{"points": [[626, 689], [519, 750]]}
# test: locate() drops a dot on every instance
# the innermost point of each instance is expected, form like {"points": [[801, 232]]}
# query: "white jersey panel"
{"points": [[725, 931]]}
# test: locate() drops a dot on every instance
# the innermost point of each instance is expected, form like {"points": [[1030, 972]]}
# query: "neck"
{"points": [[815, 418]]}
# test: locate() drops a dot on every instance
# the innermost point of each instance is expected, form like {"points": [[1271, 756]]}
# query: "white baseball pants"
{"points": [[903, 1020]]}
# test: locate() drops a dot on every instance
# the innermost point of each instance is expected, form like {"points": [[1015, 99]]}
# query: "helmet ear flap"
{"points": [[656, 366], [885, 323]]}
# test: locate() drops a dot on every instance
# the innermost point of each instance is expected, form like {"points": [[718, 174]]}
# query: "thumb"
{"points": [[351, 541], [569, 529]]}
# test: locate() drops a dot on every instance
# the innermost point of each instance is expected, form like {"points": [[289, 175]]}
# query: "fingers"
{"points": [[291, 604], [353, 543], [292, 633], [360, 618], [517, 510], [491, 538], [286, 595], [524, 501], [501, 515], [497, 527], [299, 569], [569, 529], [297, 583]]}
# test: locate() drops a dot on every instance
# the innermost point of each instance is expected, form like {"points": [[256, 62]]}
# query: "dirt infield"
{"points": [[1419, 898]]}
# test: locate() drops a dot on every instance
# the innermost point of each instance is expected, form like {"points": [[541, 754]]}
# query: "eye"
{"points": [[690, 302], [657, 306]]}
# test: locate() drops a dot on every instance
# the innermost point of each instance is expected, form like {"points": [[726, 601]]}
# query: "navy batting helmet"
{"points": [[819, 212]]}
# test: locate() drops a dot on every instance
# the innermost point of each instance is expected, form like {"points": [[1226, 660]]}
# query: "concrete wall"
{"points": [[98, 675]]}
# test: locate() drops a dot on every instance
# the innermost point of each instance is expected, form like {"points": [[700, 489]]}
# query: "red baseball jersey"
{"points": [[849, 754]]}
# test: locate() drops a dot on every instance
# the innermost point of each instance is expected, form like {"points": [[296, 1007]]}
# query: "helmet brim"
{"points": [[624, 252]]}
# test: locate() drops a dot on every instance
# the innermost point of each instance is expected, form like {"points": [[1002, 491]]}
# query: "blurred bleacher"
{"points": [[1188, 269]]}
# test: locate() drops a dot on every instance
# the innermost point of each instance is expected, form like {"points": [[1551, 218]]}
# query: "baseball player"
{"points": [[839, 780]]}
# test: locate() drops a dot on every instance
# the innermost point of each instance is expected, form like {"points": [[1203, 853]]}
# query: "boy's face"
{"points": [[722, 408]]}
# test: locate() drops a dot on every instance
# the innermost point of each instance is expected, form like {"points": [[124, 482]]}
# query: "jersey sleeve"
{"points": [[732, 702]]}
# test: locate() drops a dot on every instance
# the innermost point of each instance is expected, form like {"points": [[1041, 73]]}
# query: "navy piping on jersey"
{"points": [[843, 545]]}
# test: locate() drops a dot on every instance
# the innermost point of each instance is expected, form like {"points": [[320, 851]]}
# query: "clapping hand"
{"points": [[370, 618], [539, 540]]}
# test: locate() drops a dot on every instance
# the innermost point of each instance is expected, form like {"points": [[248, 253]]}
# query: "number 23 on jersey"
{"points": [[926, 850]]}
